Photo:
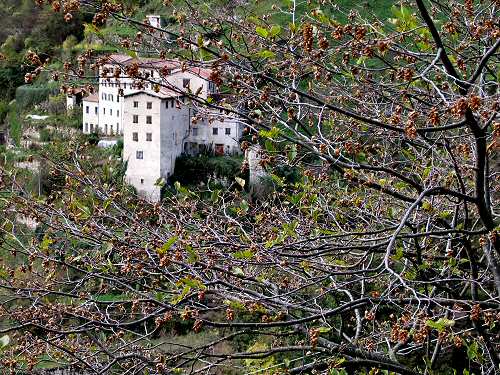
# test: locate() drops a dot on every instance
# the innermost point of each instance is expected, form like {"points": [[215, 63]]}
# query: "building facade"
{"points": [[157, 120]]}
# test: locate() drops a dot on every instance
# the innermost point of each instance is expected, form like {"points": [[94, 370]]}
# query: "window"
{"points": [[149, 137], [87, 109], [106, 129], [136, 104], [152, 73], [215, 131], [149, 120], [211, 86], [91, 128], [135, 119], [125, 85], [135, 137], [195, 132], [86, 127], [111, 112], [149, 105], [142, 180], [110, 97], [105, 96], [117, 113], [228, 131], [111, 129], [186, 82], [104, 111], [139, 155], [96, 110], [117, 98], [117, 128], [166, 103]]}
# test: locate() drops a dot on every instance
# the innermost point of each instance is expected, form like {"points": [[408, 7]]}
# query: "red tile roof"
{"points": [[164, 93], [156, 63], [91, 98], [144, 62]]}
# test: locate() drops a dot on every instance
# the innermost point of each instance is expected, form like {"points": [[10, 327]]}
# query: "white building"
{"points": [[90, 110], [156, 118]]}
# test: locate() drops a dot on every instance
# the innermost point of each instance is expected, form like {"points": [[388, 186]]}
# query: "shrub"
{"points": [[117, 149], [4, 109], [191, 170], [55, 104], [16, 130], [92, 138]]}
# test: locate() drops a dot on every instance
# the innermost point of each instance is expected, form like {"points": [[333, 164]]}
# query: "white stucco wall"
{"points": [[142, 173], [168, 128], [70, 102], [174, 132], [195, 82], [90, 119]]}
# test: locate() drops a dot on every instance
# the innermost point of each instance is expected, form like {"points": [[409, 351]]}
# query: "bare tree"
{"points": [[383, 255]]}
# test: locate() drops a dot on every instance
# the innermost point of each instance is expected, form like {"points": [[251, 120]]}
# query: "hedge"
{"points": [[28, 95]]}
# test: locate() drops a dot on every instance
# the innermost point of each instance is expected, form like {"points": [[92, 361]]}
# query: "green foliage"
{"points": [[117, 149], [92, 138], [11, 76], [191, 170], [288, 173], [4, 110], [46, 135], [28, 95]]}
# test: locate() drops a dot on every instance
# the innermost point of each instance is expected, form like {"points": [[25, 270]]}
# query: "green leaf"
{"points": [[472, 351], [191, 282], [160, 182], [426, 206], [275, 30], [277, 180], [267, 54], [244, 254], [271, 134], [440, 324], [192, 254], [244, 206], [106, 203], [162, 250], [399, 254], [261, 31], [214, 197], [46, 243], [446, 214], [8, 226], [292, 154], [131, 53]]}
